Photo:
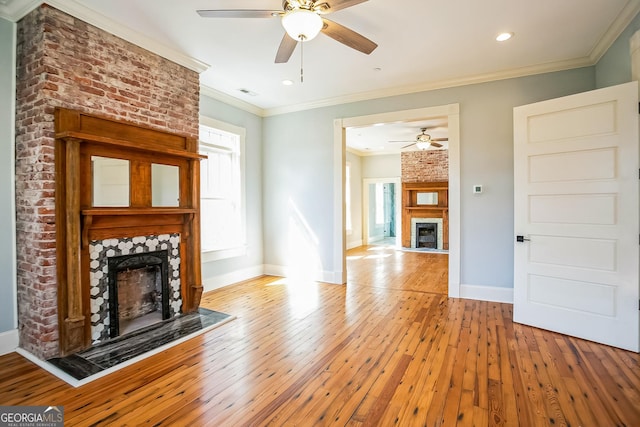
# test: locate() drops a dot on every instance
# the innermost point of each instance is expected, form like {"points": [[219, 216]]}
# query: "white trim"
{"points": [[354, 244], [452, 111], [88, 15], [331, 277], [429, 86], [13, 12], [275, 270], [224, 253], [230, 100], [9, 341], [339, 211], [17, 9], [218, 254], [622, 21], [77, 383], [486, 293], [222, 280]]}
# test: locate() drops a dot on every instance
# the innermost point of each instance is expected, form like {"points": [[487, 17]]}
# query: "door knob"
{"points": [[522, 239]]}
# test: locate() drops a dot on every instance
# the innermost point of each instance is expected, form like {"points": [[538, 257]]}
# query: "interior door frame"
{"points": [[365, 205], [452, 112]]}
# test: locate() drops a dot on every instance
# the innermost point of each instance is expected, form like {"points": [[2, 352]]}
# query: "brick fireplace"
{"points": [[65, 62], [425, 199]]}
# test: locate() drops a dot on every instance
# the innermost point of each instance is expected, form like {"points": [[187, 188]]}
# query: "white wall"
{"points": [[298, 169], [386, 166]]}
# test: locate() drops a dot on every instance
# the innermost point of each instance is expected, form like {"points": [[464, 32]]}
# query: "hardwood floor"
{"points": [[388, 349]]}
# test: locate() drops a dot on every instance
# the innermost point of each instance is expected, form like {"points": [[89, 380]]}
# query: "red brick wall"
{"points": [[65, 62], [425, 166]]}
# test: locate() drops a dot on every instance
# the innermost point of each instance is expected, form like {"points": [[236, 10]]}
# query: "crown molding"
{"points": [[14, 10], [622, 21], [77, 10], [442, 84], [231, 100]]}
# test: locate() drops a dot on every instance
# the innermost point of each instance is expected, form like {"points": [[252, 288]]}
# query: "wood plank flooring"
{"points": [[388, 349]]}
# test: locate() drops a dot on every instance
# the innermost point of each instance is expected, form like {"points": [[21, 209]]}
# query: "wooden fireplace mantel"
{"points": [[411, 208], [80, 136]]}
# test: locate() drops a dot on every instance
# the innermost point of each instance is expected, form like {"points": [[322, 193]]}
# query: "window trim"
{"points": [[238, 250]]}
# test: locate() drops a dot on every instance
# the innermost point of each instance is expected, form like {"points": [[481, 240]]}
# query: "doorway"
{"points": [[381, 218], [451, 112]]}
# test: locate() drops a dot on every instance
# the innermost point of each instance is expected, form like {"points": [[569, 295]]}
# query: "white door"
{"points": [[576, 201]]}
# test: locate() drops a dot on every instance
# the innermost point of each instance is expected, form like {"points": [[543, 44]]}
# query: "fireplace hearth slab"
{"points": [[107, 357]]}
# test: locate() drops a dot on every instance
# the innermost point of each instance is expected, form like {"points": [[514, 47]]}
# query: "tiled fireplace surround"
{"points": [[65, 62], [101, 250]]}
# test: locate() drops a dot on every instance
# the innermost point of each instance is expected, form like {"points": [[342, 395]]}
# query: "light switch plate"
{"points": [[477, 189]]}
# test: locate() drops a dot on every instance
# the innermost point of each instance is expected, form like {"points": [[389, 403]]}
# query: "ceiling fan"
{"points": [[302, 21], [424, 141]]}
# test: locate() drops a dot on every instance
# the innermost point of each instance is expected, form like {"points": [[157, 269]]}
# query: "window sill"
{"points": [[218, 254]]}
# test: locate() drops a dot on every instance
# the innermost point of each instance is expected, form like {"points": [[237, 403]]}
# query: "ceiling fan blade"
{"points": [[407, 146], [239, 13], [439, 139], [287, 46], [435, 144], [334, 5], [348, 37]]}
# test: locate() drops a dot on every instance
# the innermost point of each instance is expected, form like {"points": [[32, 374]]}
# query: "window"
{"points": [[222, 207]]}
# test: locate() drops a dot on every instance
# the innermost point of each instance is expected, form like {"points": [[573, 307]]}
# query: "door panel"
{"points": [[577, 205]]}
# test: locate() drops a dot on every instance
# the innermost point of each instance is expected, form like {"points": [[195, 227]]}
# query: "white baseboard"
{"points": [[487, 293], [217, 282], [354, 244], [333, 277], [9, 341]]}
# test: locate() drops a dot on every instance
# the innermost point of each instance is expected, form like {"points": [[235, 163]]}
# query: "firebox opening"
{"points": [[138, 291], [427, 235], [139, 298]]}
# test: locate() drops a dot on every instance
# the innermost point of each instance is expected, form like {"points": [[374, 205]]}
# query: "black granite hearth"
{"points": [[118, 350]]}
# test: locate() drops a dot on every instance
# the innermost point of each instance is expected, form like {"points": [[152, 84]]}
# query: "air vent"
{"points": [[248, 92]]}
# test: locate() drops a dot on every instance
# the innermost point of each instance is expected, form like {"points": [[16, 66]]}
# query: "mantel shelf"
{"points": [[136, 211], [422, 208], [127, 144]]}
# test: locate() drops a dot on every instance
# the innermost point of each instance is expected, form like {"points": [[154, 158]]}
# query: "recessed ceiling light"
{"points": [[287, 82], [503, 37]]}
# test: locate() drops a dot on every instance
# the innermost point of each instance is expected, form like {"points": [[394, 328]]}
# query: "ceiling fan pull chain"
{"points": [[301, 59]]}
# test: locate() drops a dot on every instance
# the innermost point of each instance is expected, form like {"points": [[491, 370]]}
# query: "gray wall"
{"points": [[355, 237], [253, 183], [615, 66], [7, 215], [298, 167]]}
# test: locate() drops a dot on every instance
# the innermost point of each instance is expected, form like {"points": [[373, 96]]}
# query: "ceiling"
{"points": [[392, 138], [423, 44]]}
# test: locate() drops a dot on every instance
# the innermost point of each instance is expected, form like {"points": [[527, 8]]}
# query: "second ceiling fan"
{"points": [[423, 141], [303, 20]]}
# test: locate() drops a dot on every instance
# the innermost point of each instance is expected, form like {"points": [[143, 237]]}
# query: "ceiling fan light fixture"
{"points": [[422, 145], [302, 24]]}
